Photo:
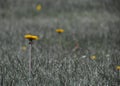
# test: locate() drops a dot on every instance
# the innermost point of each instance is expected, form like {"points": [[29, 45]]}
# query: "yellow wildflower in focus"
{"points": [[59, 30], [118, 67], [38, 7], [93, 57], [24, 48], [31, 37]]}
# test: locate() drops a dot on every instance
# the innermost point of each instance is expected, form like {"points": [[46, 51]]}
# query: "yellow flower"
{"points": [[93, 57], [31, 37], [38, 7], [59, 30], [24, 48], [118, 67]]}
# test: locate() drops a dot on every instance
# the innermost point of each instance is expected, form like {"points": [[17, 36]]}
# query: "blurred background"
{"points": [[26, 8], [83, 16], [91, 28]]}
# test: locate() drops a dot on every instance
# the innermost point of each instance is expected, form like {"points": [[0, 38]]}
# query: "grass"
{"points": [[55, 64]]}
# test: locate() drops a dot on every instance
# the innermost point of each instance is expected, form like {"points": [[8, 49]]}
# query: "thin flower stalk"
{"points": [[30, 38]]}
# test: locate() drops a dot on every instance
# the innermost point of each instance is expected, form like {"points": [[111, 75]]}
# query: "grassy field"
{"points": [[86, 54]]}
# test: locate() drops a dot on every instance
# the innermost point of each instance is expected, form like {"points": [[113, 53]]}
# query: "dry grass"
{"points": [[65, 60]]}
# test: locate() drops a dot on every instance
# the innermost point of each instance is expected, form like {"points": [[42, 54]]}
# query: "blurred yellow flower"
{"points": [[93, 57], [31, 37], [118, 67], [38, 7], [24, 48], [59, 30]]}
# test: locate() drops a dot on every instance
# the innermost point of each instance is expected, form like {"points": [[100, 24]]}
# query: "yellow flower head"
{"points": [[59, 30], [38, 7], [93, 57], [31, 37], [118, 67], [24, 48]]}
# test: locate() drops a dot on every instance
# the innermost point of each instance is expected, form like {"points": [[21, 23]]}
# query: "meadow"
{"points": [[85, 54]]}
